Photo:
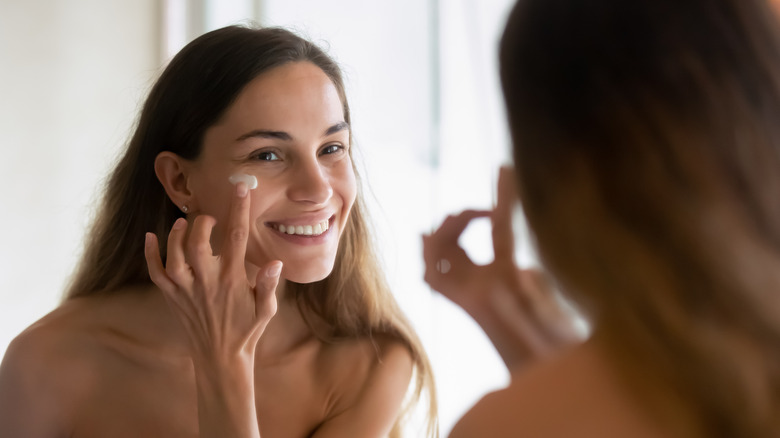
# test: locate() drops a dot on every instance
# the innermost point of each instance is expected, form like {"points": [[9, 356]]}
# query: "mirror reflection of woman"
{"points": [[205, 306], [646, 143]]}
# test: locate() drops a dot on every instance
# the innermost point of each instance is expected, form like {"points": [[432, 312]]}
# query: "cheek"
{"points": [[263, 199], [346, 186], [217, 205], [213, 192]]}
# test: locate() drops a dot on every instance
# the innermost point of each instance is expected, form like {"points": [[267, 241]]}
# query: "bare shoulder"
{"points": [[43, 373], [570, 395], [50, 338], [368, 380], [353, 363], [54, 345]]}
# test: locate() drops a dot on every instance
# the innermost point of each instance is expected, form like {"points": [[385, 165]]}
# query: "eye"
{"points": [[334, 148], [265, 156]]}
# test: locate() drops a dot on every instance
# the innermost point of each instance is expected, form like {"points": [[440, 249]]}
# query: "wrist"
{"points": [[232, 366], [226, 397]]}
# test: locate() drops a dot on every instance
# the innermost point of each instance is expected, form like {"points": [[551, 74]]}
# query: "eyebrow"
{"points": [[281, 135]]}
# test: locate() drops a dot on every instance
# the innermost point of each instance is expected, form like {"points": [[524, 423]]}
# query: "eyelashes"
{"points": [[269, 155], [265, 156], [333, 149]]}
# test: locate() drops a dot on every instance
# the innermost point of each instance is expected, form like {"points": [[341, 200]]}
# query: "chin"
{"points": [[310, 274]]}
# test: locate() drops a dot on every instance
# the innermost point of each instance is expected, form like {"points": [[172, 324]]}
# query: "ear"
{"points": [[173, 172]]}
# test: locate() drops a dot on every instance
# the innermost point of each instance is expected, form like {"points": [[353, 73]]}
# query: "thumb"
{"points": [[265, 289]]}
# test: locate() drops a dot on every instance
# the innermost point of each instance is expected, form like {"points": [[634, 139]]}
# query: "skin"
{"points": [[516, 307], [212, 348], [575, 393], [287, 129], [560, 386]]}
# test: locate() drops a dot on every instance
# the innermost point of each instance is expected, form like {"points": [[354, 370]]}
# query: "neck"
{"points": [[286, 330]]}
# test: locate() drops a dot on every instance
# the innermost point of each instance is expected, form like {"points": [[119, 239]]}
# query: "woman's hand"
{"points": [[221, 312], [518, 308]]}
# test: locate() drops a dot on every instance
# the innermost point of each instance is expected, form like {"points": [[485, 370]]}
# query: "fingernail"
{"points": [[148, 239], [274, 270], [241, 189], [180, 223]]}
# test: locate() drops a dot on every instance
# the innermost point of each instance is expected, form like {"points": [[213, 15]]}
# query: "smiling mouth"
{"points": [[303, 230]]}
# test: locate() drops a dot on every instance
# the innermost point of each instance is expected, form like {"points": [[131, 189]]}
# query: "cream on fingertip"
{"points": [[249, 180]]}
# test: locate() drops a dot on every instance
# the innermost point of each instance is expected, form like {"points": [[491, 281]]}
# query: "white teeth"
{"points": [[304, 230]]}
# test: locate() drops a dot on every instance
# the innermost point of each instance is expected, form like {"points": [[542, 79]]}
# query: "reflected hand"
{"points": [[518, 308]]}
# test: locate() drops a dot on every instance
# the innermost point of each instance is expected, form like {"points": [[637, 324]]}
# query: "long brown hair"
{"points": [[647, 140], [194, 90]]}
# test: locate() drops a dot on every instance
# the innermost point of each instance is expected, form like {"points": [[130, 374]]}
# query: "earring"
{"points": [[185, 209]]}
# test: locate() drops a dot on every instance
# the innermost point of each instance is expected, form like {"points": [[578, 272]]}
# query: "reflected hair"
{"points": [[192, 93]]}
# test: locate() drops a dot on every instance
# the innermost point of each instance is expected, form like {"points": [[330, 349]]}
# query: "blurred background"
{"points": [[427, 117]]}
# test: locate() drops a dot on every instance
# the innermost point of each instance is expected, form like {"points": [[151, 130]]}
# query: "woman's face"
{"points": [[286, 128]]}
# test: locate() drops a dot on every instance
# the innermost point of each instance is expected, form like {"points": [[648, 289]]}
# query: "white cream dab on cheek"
{"points": [[249, 180]]}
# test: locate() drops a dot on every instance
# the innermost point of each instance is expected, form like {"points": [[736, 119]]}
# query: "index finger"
{"points": [[503, 237], [234, 246], [454, 225], [449, 231]]}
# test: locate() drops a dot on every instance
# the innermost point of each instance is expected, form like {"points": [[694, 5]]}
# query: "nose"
{"points": [[309, 183]]}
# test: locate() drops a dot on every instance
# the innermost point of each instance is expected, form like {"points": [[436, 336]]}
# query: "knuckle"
{"points": [[177, 274], [204, 220], [237, 234], [268, 309], [156, 277], [199, 249], [176, 278]]}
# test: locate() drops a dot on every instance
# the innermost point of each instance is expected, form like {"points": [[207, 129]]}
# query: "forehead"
{"points": [[294, 92]]}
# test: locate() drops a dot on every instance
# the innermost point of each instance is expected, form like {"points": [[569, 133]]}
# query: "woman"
{"points": [[266, 314], [646, 144]]}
